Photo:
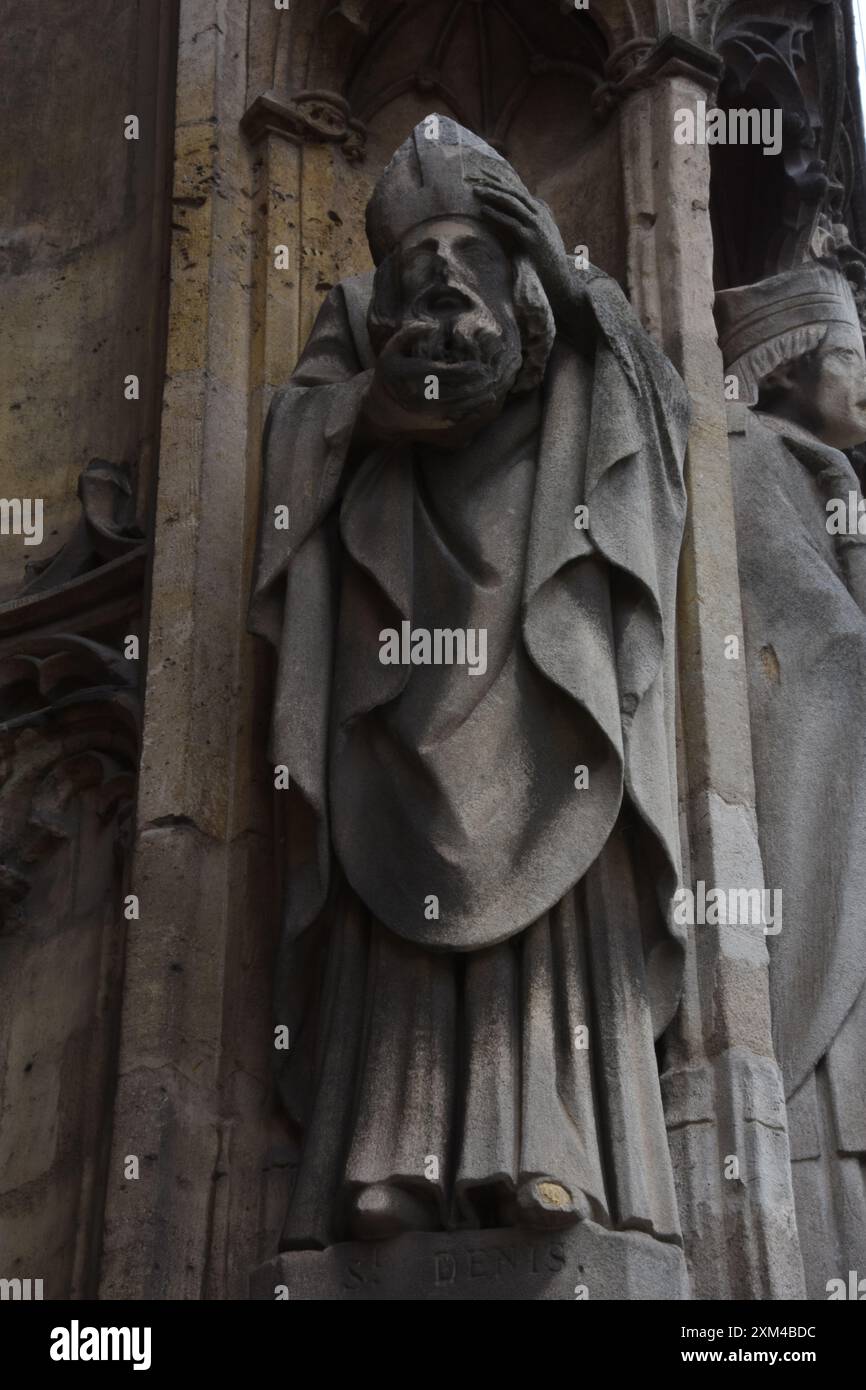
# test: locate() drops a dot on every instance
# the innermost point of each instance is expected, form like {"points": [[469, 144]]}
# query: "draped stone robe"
{"points": [[804, 612], [459, 1035]]}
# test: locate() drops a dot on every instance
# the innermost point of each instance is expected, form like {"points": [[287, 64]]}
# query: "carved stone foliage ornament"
{"points": [[69, 702], [69, 742], [107, 528], [68, 721]]}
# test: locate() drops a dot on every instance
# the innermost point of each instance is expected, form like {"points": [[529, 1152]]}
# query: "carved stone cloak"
{"points": [[804, 611]]}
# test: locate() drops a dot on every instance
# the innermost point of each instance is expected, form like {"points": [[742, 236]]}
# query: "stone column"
{"points": [[722, 1088], [194, 1098]]}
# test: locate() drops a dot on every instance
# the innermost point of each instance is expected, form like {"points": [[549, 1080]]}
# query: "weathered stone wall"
{"points": [[82, 249], [83, 277]]}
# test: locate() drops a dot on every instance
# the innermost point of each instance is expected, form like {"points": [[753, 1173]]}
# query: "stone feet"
{"points": [[380, 1210]]}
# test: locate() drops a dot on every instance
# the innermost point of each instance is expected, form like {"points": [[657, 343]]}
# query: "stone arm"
{"points": [[587, 304]]}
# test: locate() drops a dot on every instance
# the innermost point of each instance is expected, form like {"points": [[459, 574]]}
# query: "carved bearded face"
{"points": [[824, 392], [458, 322]]}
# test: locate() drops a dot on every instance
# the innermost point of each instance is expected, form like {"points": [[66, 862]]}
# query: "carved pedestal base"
{"points": [[584, 1262]]}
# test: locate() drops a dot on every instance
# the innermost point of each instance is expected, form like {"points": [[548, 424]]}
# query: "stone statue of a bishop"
{"points": [[794, 343], [473, 613]]}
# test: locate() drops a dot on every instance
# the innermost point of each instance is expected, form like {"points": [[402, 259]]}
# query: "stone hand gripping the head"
{"points": [[464, 312]]}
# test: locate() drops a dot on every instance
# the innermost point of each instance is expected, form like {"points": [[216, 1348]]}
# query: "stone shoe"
{"points": [[546, 1203], [381, 1210]]}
